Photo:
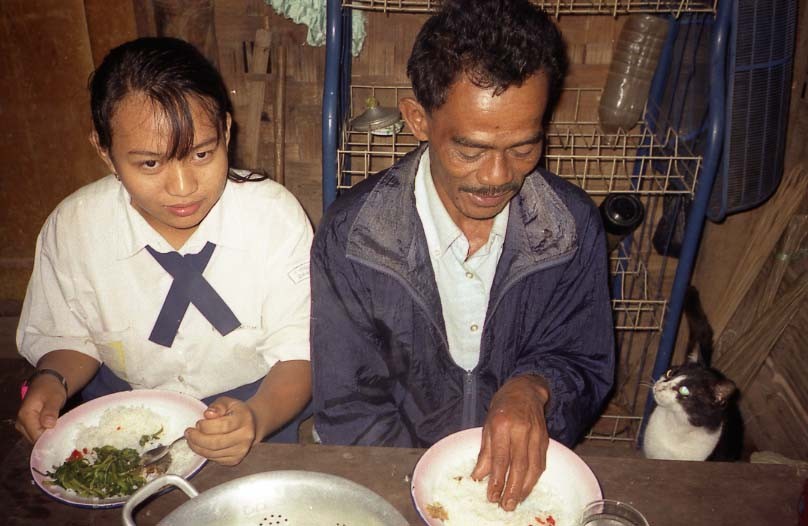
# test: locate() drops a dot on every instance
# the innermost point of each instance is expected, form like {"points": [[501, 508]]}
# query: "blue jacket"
{"points": [[382, 370]]}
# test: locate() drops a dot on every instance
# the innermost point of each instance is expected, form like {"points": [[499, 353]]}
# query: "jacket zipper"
{"points": [[469, 400], [469, 418]]}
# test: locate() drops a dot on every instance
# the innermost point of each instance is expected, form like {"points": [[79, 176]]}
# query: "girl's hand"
{"points": [[40, 407], [226, 434]]}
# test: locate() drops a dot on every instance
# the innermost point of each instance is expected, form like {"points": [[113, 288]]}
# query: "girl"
{"points": [[175, 272]]}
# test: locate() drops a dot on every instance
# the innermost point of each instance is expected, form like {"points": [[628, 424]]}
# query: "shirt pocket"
{"points": [[245, 346], [116, 351]]}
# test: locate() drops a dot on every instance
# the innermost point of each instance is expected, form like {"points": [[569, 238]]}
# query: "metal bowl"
{"points": [[289, 498], [376, 118]]}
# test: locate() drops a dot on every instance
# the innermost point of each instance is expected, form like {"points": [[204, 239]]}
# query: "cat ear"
{"points": [[723, 391]]}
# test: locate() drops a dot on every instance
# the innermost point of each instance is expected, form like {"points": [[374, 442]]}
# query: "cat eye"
{"points": [[684, 391]]}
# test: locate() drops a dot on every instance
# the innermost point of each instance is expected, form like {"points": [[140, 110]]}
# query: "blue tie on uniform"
{"points": [[189, 286]]}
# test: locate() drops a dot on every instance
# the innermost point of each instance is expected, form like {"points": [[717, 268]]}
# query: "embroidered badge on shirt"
{"points": [[299, 273]]}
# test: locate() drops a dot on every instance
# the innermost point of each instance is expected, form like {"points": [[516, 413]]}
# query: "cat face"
{"points": [[696, 391]]}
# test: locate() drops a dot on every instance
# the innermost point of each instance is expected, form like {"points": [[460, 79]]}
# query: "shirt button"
{"points": [[474, 327], [469, 275]]}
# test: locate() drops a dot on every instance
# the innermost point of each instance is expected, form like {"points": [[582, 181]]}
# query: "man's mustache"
{"points": [[490, 191]]}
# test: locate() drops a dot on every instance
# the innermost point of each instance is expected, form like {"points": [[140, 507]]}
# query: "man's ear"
{"points": [[102, 152], [416, 117], [227, 124]]}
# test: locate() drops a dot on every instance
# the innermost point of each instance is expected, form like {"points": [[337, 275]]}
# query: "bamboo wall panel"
{"points": [[775, 404], [236, 22]]}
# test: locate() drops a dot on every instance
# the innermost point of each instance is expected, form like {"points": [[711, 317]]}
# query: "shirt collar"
{"points": [[441, 231], [135, 233]]}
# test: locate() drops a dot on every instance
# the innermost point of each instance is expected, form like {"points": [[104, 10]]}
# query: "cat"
{"points": [[696, 416]]}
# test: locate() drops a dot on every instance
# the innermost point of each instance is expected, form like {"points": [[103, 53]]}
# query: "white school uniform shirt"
{"points": [[95, 289], [464, 283]]}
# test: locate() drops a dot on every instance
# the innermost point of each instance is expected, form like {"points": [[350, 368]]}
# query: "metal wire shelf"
{"points": [[637, 161], [556, 7], [616, 428], [634, 308]]}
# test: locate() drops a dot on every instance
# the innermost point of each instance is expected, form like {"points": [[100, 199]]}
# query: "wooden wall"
{"points": [[47, 55], [236, 22], [390, 37]]}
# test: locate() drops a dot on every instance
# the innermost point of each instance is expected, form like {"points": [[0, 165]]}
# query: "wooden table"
{"points": [[669, 493]]}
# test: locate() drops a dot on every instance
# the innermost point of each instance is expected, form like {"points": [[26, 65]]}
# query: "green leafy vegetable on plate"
{"points": [[114, 472]]}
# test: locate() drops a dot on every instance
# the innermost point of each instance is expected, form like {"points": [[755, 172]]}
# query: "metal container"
{"points": [[376, 117], [290, 498]]}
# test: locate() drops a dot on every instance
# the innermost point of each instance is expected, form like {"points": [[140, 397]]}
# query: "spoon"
{"points": [[153, 455]]}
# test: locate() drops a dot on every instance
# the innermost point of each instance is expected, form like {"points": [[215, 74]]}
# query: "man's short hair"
{"points": [[495, 43]]}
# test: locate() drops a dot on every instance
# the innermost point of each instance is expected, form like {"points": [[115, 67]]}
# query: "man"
{"points": [[464, 286]]}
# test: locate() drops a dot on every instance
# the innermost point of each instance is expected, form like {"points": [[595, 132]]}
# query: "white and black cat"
{"points": [[696, 417]]}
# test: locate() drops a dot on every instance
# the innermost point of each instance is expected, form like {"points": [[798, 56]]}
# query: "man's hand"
{"points": [[226, 434], [514, 441]]}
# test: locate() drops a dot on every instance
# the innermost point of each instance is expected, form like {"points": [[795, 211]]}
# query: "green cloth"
{"points": [[312, 13]]}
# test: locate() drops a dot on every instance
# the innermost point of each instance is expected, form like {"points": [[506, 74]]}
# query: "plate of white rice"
{"points": [[118, 420], [444, 493]]}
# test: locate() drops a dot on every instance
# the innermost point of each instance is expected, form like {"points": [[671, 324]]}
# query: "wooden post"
{"points": [[256, 85], [280, 115]]}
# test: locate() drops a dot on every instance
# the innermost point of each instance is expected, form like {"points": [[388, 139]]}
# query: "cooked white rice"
{"points": [[464, 501], [122, 427]]}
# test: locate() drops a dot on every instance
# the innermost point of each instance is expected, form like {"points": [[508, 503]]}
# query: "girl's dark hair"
{"points": [[496, 43], [169, 72]]}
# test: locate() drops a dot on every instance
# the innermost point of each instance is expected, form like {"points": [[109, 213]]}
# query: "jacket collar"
{"points": [[387, 232]]}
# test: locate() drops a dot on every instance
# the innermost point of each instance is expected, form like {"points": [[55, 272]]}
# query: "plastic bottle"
{"points": [[633, 64], [621, 215]]}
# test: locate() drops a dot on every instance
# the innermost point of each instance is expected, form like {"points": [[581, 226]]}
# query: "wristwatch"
{"points": [[51, 372]]}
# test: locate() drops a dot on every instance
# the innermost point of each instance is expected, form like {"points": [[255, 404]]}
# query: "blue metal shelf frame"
{"points": [[698, 210], [335, 91]]}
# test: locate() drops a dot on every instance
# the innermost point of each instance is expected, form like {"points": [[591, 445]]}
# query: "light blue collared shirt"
{"points": [[464, 282]]}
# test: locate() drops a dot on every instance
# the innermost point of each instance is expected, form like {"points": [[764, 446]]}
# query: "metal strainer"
{"points": [[282, 498]]}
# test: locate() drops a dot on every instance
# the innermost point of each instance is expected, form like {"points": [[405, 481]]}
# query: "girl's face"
{"points": [[172, 195]]}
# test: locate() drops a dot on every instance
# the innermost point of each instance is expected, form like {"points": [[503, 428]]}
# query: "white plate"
{"points": [[567, 476], [178, 412]]}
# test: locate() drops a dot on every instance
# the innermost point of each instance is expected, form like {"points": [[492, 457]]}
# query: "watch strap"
{"points": [[52, 372]]}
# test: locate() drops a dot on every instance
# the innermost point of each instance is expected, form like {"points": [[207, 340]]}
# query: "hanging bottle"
{"points": [[633, 64]]}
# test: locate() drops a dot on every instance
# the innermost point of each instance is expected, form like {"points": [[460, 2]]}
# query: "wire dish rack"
{"points": [[556, 7], [636, 161]]}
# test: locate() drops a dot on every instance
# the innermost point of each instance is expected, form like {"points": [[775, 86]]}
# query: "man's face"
{"points": [[482, 146]]}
